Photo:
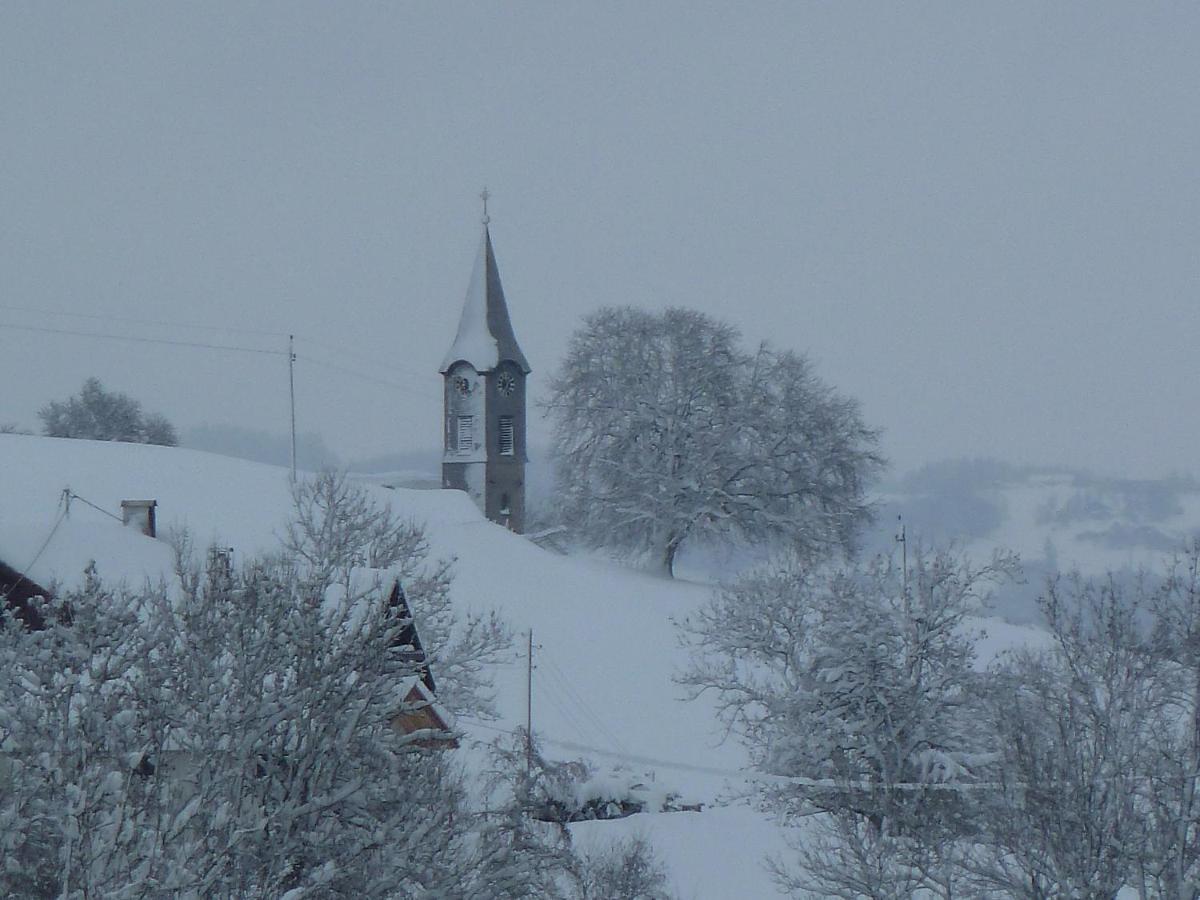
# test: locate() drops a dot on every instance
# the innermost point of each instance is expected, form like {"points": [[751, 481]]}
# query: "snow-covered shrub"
{"points": [[338, 529], [627, 870], [572, 790], [857, 682], [1098, 744], [851, 675], [97, 414], [235, 736]]}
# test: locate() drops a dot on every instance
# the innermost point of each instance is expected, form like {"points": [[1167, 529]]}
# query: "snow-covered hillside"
{"points": [[605, 646]]}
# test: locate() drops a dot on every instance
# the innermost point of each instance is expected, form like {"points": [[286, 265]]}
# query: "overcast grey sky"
{"points": [[981, 221]]}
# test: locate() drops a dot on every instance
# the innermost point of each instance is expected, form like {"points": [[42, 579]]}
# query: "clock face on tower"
{"points": [[506, 383]]}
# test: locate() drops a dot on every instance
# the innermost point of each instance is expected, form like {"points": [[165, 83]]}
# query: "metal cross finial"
{"points": [[484, 197]]}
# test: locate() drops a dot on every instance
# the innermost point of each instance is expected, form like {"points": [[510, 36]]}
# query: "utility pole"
{"points": [[902, 540], [529, 709], [292, 391]]}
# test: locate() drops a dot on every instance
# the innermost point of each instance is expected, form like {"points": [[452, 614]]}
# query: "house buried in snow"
{"points": [[484, 374], [23, 596], [50, 537]]}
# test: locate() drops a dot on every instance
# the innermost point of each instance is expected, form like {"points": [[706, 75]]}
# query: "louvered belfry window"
{"points": [[507, 441], [466, 434]]}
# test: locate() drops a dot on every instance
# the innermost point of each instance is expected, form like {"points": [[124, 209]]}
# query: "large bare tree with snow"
{"points": [[668, 431]]}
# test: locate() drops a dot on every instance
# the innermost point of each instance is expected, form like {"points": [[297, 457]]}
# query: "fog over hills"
{"points": [[1058, 518]]}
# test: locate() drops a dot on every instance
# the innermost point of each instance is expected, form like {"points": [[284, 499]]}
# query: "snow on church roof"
{"points": [[485, 334]]}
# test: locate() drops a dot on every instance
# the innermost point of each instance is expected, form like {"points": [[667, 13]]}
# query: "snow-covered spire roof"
{"points": [[485, 334]]}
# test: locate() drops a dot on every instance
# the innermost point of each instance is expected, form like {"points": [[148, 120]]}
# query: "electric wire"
{"points": [[347, 370], [573, 721], [337, 350], [331, 348], [22, 576], [144, 340], [73, 496], [597, 727], [358, 373], [108, 317], [557, 672], [746, 775]]}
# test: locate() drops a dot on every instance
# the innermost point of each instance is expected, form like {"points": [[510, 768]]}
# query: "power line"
{"points": [[144, 340], [744, 775], [62, 514], [340, 350], [349, 371], [374, 379], [358, 373], [564, 711], [405, 370], [557, 674], [132, 321], [71, 495]]}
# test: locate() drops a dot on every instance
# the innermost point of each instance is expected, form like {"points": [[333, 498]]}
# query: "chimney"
{"points": [[140, 515]]}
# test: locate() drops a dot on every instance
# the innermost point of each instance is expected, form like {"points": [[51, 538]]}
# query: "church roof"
{"points": [[485, 334]]}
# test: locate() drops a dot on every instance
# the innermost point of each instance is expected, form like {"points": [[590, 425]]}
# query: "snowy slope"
{"points": [[605, 647]]}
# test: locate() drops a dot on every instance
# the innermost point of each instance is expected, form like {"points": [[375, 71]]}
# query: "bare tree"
{"points": [[857, 684], [235, 735], [338, 528], [1170, 862], [627, 870], [842, 855], [666, 432], [1073, 727], [848, 674]]}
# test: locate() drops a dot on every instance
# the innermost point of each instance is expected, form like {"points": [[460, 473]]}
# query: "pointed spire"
{"points": [[485, 334]]}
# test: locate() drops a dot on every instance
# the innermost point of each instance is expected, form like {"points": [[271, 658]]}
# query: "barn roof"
{"points": [[485, 335]]}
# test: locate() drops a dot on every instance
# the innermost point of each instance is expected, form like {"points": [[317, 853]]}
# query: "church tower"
{"points": [[484, 399]]}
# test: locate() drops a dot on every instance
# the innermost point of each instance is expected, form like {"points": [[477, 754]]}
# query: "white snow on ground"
{"points": [[605, 645]]}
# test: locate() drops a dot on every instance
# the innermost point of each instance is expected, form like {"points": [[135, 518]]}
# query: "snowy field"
{"points": [[605, 650]]}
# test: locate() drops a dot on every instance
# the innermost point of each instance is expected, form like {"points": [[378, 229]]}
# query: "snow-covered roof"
{"points": [[219, 500], [413, 690], [485, 334]]}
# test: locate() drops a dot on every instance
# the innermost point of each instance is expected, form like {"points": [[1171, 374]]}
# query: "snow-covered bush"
{"points": [[235, 736], [627, 870], [1098, 743], [97, 414], [855, 674], [856, 682], [573, 790], [338, 529]]}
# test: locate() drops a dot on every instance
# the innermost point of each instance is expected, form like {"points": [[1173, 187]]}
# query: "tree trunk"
{"points": [[668, 557]]}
